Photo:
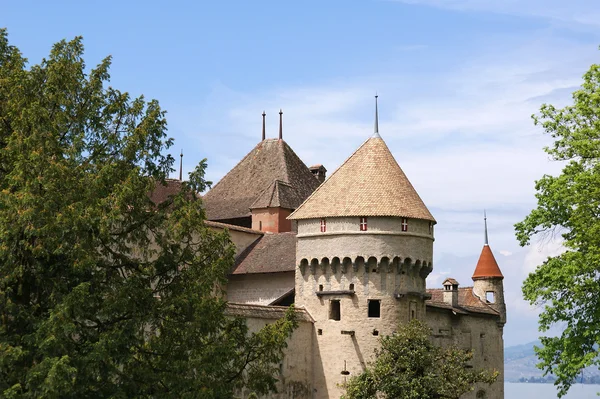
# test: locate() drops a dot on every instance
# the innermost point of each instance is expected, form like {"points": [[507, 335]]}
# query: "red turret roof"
{"points": [[487, 267]]}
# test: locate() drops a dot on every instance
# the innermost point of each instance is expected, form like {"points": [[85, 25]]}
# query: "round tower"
{"points": [[487, 279], [364, 249]]}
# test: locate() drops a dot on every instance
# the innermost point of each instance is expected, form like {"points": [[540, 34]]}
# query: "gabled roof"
{"points": [[271, 253], [487, 267], [270, 160], [279, 194], [162, 191], [467, 302], [369, 183]]}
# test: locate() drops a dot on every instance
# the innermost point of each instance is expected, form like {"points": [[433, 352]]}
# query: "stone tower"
{"points": [[364, 249], [487, 279]]}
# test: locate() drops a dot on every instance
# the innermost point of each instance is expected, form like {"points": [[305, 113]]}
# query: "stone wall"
{"points": [[296, 372], [477, 332], [259, 288]]}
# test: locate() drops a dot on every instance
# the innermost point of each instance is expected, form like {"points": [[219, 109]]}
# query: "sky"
{"points": [[458, 81]]}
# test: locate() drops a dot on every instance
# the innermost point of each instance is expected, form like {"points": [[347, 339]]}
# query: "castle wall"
{"points": [[479, 333], [259, 288], [296, 372], [349, 267]]}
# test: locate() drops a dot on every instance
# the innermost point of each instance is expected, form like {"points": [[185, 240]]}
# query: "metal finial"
{"points": [[376, 134], [181, 166], [264, 131], [485, 225], [280, 124]]}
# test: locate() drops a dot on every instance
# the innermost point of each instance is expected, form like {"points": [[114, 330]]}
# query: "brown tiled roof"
{"points": [[467, 301], [270, 160], [271, 253], [264, 312], [369, 183], [162, 192], [451, 281], [278, 194], [233, 227], [486, 265]]}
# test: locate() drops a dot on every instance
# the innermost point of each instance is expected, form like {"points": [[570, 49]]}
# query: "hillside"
{"points": [[520, 361]]}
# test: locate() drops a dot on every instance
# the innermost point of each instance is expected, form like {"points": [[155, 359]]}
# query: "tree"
{"points": [[409, 366], [567, 285], [104, 293]]}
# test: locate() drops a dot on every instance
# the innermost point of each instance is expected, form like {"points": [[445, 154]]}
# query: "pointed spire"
{"points": [[376, 133], [280, 124], [485, 224], [181, 166], [264, 131]]}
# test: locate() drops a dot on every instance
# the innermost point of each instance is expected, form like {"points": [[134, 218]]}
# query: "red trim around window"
{"points": [[363, 224]]}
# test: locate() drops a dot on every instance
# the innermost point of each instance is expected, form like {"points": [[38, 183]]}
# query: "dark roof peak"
{"points": [[269, 161]]}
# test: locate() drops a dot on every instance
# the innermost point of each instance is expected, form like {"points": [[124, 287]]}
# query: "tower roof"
{"points": [[369, 183], [487, 267], [270, 160], [279, 194]]}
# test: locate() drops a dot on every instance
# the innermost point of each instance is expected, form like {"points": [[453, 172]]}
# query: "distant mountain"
{"points": [[520, 361]]}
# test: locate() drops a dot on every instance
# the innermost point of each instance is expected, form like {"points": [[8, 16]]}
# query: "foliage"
{"points": [[567, 285], [409, 366], [102, 292]]}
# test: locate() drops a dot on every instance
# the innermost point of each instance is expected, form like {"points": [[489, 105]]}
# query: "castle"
{"points": [[352, 252]]}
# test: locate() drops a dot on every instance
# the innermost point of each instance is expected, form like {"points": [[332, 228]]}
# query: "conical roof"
{"points": [[487, 267], [369, 183], [269, 161]]}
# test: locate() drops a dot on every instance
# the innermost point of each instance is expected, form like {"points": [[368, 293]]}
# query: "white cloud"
{"points": [[583, 12]]}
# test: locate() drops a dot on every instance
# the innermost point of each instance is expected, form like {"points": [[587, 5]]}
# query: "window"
{"points": [[320, 287], [351, 287], [412, 310], [334, 310], [430, 227], [374, 308], [404, 224], [260, 225], [363, 224], [489, 296], [323, 225]]}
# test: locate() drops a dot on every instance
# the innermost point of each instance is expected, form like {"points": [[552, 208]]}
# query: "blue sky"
{"points": [[458, 81]]}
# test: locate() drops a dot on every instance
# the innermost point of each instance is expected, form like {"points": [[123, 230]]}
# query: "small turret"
{"points": [[487, 278]]}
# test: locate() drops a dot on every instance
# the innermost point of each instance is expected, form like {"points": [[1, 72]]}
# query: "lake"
{"points": [[514, 390]]}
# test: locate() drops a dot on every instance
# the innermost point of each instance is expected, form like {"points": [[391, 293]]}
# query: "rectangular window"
{"points": [[430, 227], [363, 224], [412, 309], [489, 296], [374, 308], [334, 310], [404, 224], [323, 225]]}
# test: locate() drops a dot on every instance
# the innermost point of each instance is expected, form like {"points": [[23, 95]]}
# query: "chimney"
{"points": [[451, 292], [319, 172]]}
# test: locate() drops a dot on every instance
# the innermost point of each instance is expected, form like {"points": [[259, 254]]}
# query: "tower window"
{"points": [[489, 296], [430, 227], [374, 308], [412, 311], [334, 310], [323, 225], [260, 225], [404, 224], [363, 224]]}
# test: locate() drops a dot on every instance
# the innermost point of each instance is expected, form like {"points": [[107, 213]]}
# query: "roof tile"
{"points": [[369, 183]]}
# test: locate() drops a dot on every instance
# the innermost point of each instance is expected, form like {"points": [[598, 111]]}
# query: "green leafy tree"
{"points": [[568, 285], [102, 292], [409, 366]]}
